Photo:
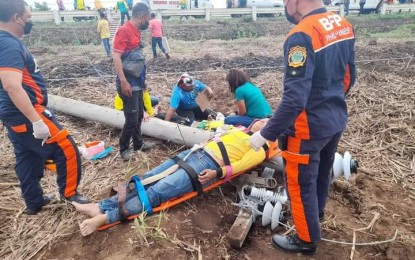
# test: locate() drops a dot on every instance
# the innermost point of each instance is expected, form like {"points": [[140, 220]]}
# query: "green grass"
{"points": [[402, 31], [146, 231]]}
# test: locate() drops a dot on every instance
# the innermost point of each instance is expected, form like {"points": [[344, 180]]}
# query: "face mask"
{"points": [[290, 18], [27, 28], [144, 26]]}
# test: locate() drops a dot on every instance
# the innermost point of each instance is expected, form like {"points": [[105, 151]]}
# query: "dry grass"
{"points": [[380, 133]]}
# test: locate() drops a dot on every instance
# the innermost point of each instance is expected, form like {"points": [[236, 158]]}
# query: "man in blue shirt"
{"points": [[183, 99]]}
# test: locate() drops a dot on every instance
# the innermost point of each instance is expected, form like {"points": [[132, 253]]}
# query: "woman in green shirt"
{"points": [[250, 101]]}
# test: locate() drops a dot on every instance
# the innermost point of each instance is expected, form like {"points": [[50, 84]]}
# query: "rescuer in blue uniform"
{"points": [[32, 129], [319, 71]]}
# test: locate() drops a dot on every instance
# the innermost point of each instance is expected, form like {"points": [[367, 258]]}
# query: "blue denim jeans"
{"points": [[154, 42], [175, 185], [239, 120], [106, 43]]}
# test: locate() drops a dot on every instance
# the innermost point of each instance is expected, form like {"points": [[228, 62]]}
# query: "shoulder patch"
{"points": [[296, 65], [297, 56]]}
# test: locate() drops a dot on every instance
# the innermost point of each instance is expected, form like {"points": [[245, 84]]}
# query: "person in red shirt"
{"points": [[129, 87], [156, 28]]}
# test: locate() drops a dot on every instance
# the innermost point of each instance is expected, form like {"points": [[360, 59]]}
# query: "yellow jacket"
{"points": [[240, 153], [147, 103], [118, 104]]}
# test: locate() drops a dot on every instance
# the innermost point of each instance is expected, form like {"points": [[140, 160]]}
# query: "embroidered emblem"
{"points": [[297, 56]]}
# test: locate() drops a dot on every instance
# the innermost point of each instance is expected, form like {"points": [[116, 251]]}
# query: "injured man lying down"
{"points": [[194, 170]]}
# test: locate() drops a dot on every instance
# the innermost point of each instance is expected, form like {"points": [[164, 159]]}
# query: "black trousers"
{"points": [[133, 113], [193, 114]]}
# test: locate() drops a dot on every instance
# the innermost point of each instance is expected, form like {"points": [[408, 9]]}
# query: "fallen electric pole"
{"points": [[155, 127]]}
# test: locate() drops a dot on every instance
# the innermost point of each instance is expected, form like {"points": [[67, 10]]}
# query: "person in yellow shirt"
{"points": [[204, 166], [103, 29]]}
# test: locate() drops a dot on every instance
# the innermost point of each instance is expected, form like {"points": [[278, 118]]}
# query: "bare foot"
{"points": [[90, 209], [88, 226]]}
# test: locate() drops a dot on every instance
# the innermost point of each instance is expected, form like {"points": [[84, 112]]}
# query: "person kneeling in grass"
{"points": [[207, 162]]}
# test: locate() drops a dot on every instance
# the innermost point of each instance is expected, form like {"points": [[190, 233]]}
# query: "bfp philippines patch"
{"points": [[297, 56]]}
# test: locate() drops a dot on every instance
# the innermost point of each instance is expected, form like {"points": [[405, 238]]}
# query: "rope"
{"points": [[86, 56]]}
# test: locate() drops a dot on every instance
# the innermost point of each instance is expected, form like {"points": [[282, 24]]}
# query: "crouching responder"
{"points": [[183, 99], [214, 160], [32, 129]]}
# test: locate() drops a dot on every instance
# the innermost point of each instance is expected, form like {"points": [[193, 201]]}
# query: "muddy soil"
{"points": [[202, 223]]}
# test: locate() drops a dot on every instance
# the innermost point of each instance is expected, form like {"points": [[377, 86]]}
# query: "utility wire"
{"points": [[215, 70], [88, 59]]}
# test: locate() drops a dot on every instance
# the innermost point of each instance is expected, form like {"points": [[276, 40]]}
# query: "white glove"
{"points": [[41, 131], [257, 141]]}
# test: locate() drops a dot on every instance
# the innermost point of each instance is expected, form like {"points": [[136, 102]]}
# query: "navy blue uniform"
{"points": [[30, 154], [319, 71]]}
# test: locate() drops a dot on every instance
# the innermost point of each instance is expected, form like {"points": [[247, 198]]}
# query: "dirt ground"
{"points": [[380, 135]]}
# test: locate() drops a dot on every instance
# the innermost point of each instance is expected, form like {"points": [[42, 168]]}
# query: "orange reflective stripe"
{"points": [[301, 126], [294, 191], [273, 149], [59, 137], [39, 108], [298, 158], [50, 165], [20, 128], [70, 154], [28, 80], [346, 80]]}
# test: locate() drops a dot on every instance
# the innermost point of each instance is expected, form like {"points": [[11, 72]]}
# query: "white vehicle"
{"points": [[175, 4], [257, 3], [369, 7], [265, 3]]}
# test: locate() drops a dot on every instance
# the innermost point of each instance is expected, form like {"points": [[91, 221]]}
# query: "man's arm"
{"points": [[297, 86], [248, 161], [209, 92], [125, 86], [170, 114], [12, 84]]}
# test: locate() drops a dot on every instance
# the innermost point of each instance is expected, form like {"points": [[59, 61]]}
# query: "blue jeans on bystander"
{"points": [[154, 42], [106, 43]]}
